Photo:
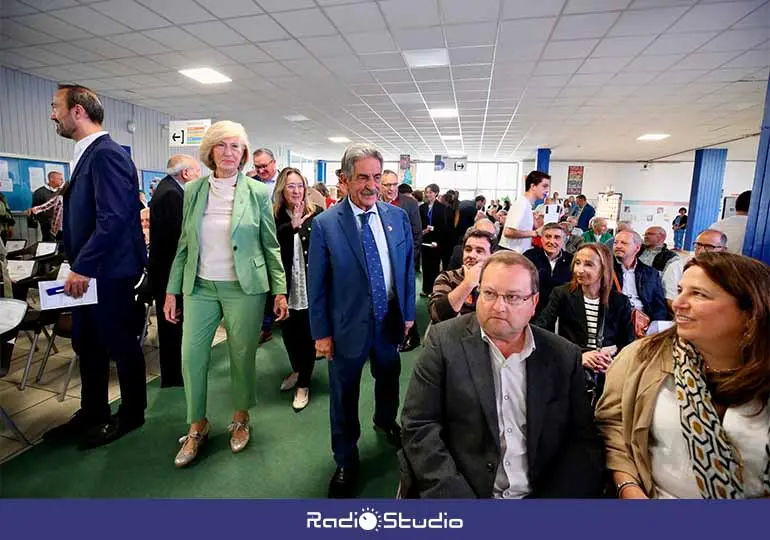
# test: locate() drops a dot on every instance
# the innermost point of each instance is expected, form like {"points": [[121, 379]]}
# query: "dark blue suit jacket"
{"points": [[338, 286], [101, 227]]}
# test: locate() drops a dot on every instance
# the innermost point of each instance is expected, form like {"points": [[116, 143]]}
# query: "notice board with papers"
{"points": [[20, 177]]}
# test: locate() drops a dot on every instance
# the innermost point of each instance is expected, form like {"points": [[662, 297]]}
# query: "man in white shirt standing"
{"points": [[518, 423], [735, 226], [519, 230]]}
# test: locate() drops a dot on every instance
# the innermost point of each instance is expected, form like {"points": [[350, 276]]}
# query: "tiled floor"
{"points": [[37, 408]]}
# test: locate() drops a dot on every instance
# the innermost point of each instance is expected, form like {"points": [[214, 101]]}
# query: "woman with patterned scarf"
{"points": [[686, 413]]}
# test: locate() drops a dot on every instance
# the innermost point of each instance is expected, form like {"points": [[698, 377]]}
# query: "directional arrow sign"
{"points": [[187, 132], [177, 137]]}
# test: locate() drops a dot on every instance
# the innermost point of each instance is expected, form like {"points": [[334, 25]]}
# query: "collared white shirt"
{"points": [[269, 183], [82, 145], [380, 240], [672, 275], [629, 287], [510, 377]]}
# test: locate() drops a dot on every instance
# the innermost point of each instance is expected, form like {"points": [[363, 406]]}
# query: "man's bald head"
{"points": [[654, 237], [183, 168], [710, 240], [485, 225]]}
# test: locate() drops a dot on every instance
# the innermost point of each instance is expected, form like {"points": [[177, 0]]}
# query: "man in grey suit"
{"points": [[496, 407], [392, 194]]}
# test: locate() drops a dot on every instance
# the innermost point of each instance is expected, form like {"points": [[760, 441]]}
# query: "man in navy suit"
{"points": [[103, 240], [362, 303]]}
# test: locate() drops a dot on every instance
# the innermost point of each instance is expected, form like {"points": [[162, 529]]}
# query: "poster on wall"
{"points": [[404, 162], [608, 206], [574, 180], [150, 181]]}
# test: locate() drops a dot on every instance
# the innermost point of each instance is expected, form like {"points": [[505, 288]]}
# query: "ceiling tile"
{"points": [[653, 62], [306, 23], [757, 19], [327, 46], [14, 8], [525, 51], [284, 50], [131, 14], [214, 33], [245, 53], [285, 5], [410, 14], [143, 65], [431, 74], [470, 55], [514, 9], [465, 35], [371, 42], [564, 50], [42, 56], [231, 8], [632, 78], [647, 22], [258, 28], [383, 61], [584, 26], [557, 67], [603, 65], [46, 5], [419, 38], [393, 75], [736, 40], [103, 47], [50, 25], [705, 60], [589, 6], [754, 59], [622, 46], [174, 38], [590, 79], [138, 43], [76, 54], [481, 71], [270, 69], [181, 11], [459, 11], [90, 20], [679, 43], [713, 16], [24, 34], [354, 15], [517, 32]]}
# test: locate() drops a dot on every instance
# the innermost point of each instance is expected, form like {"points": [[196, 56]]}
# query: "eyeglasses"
{"points": [[388, 186], [491, 296], [707, 247], [265, 166]]}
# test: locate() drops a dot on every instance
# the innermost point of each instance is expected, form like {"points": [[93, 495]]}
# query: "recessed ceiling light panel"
{"points": [[296, 118], [205, 75], [653, 137], [339, 139], [443, 113], [422, 58]]}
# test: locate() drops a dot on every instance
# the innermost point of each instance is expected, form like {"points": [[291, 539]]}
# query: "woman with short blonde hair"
{"points": [[227, 261]]}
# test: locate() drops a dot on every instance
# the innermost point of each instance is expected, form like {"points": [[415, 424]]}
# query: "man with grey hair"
{"points": [[361, 292], [639, 282], [265, 169], [708, 241], [655, 252], [165, 227]]}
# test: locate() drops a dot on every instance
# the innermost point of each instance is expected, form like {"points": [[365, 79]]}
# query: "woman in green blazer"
{"points": [[227, 260]]}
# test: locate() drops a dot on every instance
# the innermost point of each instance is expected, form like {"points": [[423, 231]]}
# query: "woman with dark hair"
{"points": [[294, 214], [685, 412], [451, 200], [591, 313], [680, 227]]}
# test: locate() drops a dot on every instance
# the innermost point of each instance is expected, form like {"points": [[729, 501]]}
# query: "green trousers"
{"points": [[203, 310]]}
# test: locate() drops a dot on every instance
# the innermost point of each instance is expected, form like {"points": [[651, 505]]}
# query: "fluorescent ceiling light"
{"points": [[205, 75], [339, 139], [451, 137], [296, 118], [443, 113], [653, 137], [426, 58]]}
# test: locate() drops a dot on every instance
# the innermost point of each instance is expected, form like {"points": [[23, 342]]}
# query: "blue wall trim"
{"points": [[757, 241], [320, 171], [543, 159], [706, 193]]}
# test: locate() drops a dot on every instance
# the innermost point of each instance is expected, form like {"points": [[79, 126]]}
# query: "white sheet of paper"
{"points": [[59, 301], [36, 178], [6, 185], [3, 170], [15, 245], [11, 314], [45, 248], [51, 167], [64, 271], [19, 270]]}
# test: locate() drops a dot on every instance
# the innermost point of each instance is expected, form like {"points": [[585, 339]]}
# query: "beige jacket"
{"points": [[624, 412]]}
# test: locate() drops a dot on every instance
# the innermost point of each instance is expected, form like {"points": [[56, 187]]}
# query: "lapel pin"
{"points": [[390, 229]]}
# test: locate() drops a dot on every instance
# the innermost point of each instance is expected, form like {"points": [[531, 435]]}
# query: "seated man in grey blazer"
{"points": [[496, 407]]}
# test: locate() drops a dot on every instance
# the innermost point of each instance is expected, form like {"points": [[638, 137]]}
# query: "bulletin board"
{"points": [[20, 177], [608, 206], [150, 181], [645, 214]]}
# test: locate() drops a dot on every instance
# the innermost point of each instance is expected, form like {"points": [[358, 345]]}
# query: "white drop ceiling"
{"points": [[583, 77]]}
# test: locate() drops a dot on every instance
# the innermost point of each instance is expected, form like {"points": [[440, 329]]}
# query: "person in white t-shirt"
{"points": [[735, 226], [519, 230]]}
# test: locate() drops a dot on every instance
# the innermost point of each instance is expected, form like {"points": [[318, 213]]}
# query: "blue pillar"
{"points": [[706, 192], [543, 159], [320, 171], [757, 241]]}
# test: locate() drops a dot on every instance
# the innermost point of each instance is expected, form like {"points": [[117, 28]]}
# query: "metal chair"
{"points": [[13, 313]]}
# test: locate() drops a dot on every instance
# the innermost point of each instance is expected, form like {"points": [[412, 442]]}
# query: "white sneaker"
{"points": [[290, 381], [301, 399]]}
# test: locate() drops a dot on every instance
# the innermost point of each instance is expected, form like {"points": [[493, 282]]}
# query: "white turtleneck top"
{"points": [[216, 252]]}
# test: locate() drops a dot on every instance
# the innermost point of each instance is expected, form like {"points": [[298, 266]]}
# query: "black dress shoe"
{"points": [[343, 483], [392, 433], [110, 431], [78, 425]]}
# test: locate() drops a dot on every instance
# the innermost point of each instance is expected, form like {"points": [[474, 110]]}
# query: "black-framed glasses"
{"points": [[706, 247], [265, 166], [491, 296]]}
